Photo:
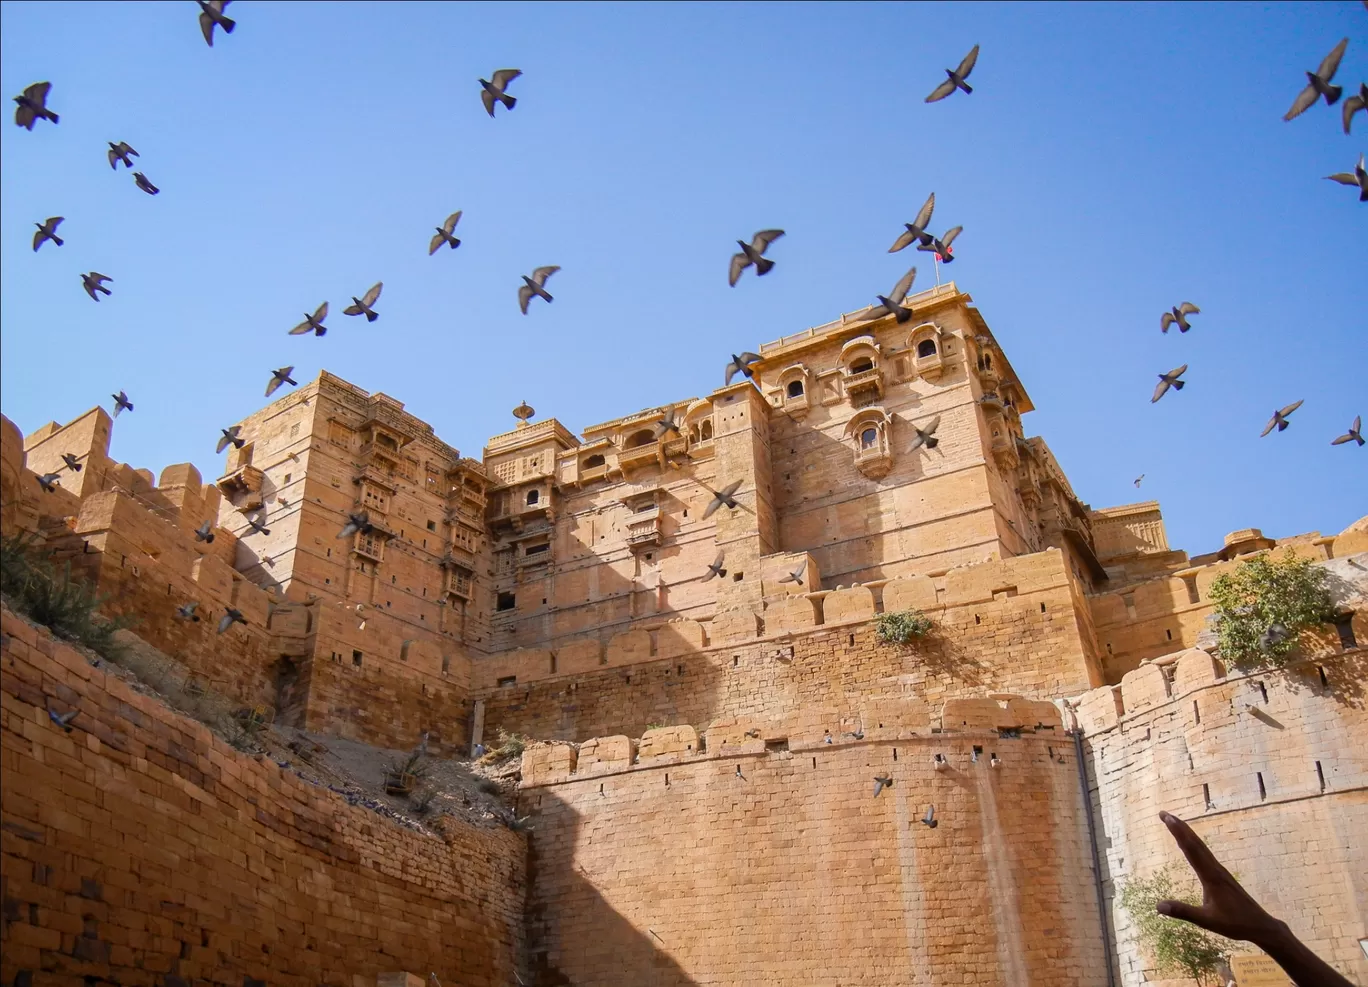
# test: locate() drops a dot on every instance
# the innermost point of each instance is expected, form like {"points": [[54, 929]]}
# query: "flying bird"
{"points": [[93, 282], [1353, 104], [72, 461], [715, 567], [857, 734], [796, 576], [356, 523], [121, 403], [1138, 479], [721, 498], [205, 532], [535, 285], [741, 365], [880, 783], [1359, 178], [1177, 316], [211, 13], [278, 377], [925, 436], [364, 303], [941, 246], [33, 105], [1318, 83], [1274, 636], [891, 304], [1168, 380], [956, 78], [141, 181], [230, 618], [752, 253], [312, 322], [1355, 433], [494, 90], [63, 720], [47, 230], [186, 611], [257, 526], [230, 435], [666, 425], [929, 820], [916, 230], [1279, 419], [50, 481], [121, 152], [444, 234]]}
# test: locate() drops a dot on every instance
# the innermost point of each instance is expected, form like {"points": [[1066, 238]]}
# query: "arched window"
{"points": [[795, 388], [706, 435], [987, 362], [869, 438], [533, 496], [861, 365], [927, 347], [638, 439], [594, 462]]}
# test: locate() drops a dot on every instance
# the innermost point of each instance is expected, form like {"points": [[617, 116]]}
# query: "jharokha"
{"points": [[699, 775]]}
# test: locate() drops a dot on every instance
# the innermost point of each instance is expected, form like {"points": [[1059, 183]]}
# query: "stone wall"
{"points": [[141, 850]]}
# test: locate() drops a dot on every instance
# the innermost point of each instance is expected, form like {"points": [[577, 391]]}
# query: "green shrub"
{"points": [[1287, 595], [901, 626], [510, 745], [56, 599], [1175, 945]]}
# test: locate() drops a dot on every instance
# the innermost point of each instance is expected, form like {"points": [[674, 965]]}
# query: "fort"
{"points": [[702, 746]]}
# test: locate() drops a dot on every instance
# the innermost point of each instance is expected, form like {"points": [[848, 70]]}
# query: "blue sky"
{"points": [[1114, 160]]}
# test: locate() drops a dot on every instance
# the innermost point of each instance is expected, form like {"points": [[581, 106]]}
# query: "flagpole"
{"points": [[936, 258]]}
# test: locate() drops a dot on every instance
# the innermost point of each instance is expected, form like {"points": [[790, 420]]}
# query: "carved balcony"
{"points": [[874, 462], [864, 387], [457, 582], [643, 528], [640, 457], [242, 488]]}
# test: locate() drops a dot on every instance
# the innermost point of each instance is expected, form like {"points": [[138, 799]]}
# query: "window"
{"points": [[432, 526], [927, 347], [506, 601], [533, 496], [594, 462], [287, 477], [507, 680], [861, 365], [706, 434], [356, 658], [638, 439], [869, 438], [536, 549], [795, 389]]}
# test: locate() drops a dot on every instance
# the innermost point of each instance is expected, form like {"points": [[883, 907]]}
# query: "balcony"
{"points": [[534, 555], [874, 462], [457, 582], [640, 456], [864, 387], [242, 488], [370, 545], [643, 528]]}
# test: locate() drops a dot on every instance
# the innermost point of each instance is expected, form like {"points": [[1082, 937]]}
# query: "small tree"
{"points": [[901, 626], [1264, 604], [1175, 945]]}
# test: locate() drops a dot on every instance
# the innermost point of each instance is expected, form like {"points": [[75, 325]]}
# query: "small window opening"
{"points": [[1169, 633], [895, 753], [736, 660], [852, 640], [861, 365], [446, 664], [508, 680], [533, 496], [814, 762], [869, 438], [1263, 691], [1344, 624], [593, 462], [553, 663], [506, 601], [667, 779], [978, 619], [679, 669], [1206, 796], [795, 389], [432, 526], [736, 577], [1042, 608], [356, 658], [775, 746], [1196, 713], [1324, 679], [927, 347], [1263, 792]]}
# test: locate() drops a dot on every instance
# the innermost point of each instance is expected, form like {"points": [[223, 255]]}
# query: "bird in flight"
{"points": [[916, 230], [1279, 419], [72, 462], [364, 303], [278, 377], [753, 253], [233, 616], [796, 576], [892, 304], [666, 425], [230, 435], [312, 322], [925, 436], [211, 14], [715, 567], [356, 523], [256, 526], [535, 286], [444, 234], [63, 720], [50, 481], [929, 820], [1355, 433], [1138, 479], [1275, 635], [1177, 316], [141, 181], [186, 611], [47, 230], [956, 78], [93, 282], [1318, 83], [1359, 178], [33, 105], [1354, 104], [721, 498], [741, 365], [940, 246], [121, 403], [121, 152], [205, 532], [493, 90], [880, 783], [1168, 380]]}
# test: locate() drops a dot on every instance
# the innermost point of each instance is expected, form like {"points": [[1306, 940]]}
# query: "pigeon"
{"points": [[1355, 433], [47, 230], [72, 462], [121, 152], [858, 734], [93, 282], [494, 90], [956, 78], [356, 523], [1359, 178], [720, 498], [739, 774], [230, 618], [121, 403], [925, 436], [141, 181], [1168, 380], [741, 365], [916, 230], [33, 105], [1274, 636], [892, 304], [1279, 419], [63, 720], [666, 425], [230, 435], [186, 611], [715, 567], [50, 481], [880, 783], [751, 253], [205, 532], [314, 322], [1177, 316], [257, 526], [211, 13], [364, 303], [796, 576], [1353, 104], [930, 818], [1138, 479], [444, 234], [278, 377], [941, 246], [1318, 83], [535, 285]]}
